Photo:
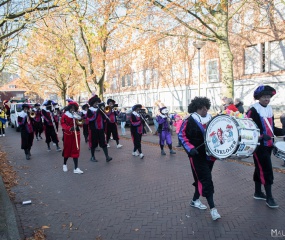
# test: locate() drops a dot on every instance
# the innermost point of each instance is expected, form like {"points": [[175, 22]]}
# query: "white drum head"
{"points": [[280, 145], [222, 136]]}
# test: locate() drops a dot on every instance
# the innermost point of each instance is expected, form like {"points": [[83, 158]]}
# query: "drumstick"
{"points": [[199, 146]]}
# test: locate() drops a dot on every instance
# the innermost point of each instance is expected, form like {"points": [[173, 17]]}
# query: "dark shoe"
{"points": [[48, 149], [86, 140], [172, 152], [93, 159], [108, 159], [41, 137], [271, 203], [163, 152], [27, 156], [37, 139], [58, 149], [178, 146], [259, 196]]}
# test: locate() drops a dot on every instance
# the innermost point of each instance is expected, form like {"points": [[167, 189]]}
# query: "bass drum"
{"points": [[227, 136]]}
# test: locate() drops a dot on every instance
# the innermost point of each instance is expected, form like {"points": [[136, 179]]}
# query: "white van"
{"points": [[15, 109]]}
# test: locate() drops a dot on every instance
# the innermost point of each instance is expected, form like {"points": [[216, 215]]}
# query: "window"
{"points": [[147, 76], [252, 60], [12, 86], [135, 79], [277, 55], [114, 84], [141, 77], [213, 70], [236, 24], [279, 7], [248, 19], [123, 81], [128, 80]]}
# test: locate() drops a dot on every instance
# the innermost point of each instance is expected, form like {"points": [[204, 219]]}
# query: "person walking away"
{"points": [[262, 114], [27, 132], [123, 119], [71, 143], [192, 137]]}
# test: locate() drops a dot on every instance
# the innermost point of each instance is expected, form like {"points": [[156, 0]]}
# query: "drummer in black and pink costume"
{"points": [[261, 113], [85, 121], [191, 136]]}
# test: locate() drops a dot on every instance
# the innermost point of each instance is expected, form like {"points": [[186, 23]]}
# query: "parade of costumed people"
{"points": [[262, 114], [96, 118], [3, 121], [38, 122], [70, 123], [111, 123], [137, 130], [26, 127], [50, 129], [192, 138], [164, 129], [84, 110]]}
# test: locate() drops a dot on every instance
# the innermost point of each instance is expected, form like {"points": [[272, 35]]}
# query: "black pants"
{"points": [[263, 172], [112, 128], [97, 137], [202, 174], [137, 138]]}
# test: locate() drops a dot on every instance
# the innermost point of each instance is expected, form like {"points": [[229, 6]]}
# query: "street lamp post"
{"points": [[199, 45]]}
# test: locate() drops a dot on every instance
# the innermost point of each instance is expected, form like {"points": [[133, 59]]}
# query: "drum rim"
{"points": [[205, 137]]}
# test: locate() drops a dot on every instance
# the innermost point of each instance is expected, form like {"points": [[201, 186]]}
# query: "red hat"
{"points": [[73, 103]]}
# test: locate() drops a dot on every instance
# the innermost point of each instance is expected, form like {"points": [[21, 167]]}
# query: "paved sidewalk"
{"points": [[129, 198]]}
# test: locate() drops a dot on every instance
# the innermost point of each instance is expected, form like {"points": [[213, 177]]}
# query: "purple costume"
{"points": [[165, 134]]}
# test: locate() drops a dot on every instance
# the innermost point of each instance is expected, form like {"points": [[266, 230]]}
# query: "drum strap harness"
{"points": [[269, 126]]}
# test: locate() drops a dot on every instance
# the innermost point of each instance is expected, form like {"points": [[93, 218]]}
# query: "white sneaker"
{"points": [[64, 168], [3, 135], [198, 204], [214, 213], [135, 154], [108, 145], [141, 156], [119, 146], [77, 170]]}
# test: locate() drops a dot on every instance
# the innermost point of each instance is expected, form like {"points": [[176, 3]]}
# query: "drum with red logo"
{"points": [[227, 136]]}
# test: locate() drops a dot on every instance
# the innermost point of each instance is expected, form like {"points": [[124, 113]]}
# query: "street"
{"points": [[130, 198]]}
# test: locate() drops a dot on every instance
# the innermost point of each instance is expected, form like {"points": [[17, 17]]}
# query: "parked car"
{"points": [[148, 115], [15, 109]]}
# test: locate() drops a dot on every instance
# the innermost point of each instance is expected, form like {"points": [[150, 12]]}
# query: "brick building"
{"points": [[168, 69]]}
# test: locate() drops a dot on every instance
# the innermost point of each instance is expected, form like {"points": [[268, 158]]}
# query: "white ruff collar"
{"points": [[67, 113], [136, 114], [22, 114], [162, 115], [93, 109], [263, 111], [202, 120], [84, 112]]}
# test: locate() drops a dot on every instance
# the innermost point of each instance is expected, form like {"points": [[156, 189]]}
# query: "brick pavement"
{"points": [[130, 198]]}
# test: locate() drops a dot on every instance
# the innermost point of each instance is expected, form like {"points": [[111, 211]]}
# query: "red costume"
{"points": [[70, 148]]}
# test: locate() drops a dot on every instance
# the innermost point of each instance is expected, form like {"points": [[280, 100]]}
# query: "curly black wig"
{"points": [[198, 103], [68, 107]]}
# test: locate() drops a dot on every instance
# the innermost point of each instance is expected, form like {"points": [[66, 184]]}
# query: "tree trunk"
{"points": [[226, 59], [63, 96]]}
